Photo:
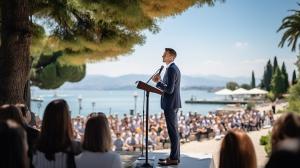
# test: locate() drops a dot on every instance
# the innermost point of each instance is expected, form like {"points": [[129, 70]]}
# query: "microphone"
{"points": [[156, 73], [161, 68]]}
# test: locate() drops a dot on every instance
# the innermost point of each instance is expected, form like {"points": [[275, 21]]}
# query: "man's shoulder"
{"points": [[174, 68]]}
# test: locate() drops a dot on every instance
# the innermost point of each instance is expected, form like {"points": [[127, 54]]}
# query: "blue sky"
{"points": [[230, 39]]}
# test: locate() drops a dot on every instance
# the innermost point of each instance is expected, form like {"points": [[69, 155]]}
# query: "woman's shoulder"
{"points": [[76, 147]]}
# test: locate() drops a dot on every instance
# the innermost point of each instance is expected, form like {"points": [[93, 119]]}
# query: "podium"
{"points": [[148, 89]]}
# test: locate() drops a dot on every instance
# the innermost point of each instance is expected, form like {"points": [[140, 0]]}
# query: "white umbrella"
{"points": [[224, 92], [256, 91], [240, 91]]}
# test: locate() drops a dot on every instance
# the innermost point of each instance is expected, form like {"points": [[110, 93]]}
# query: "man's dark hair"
{"points": [[171, 51]]}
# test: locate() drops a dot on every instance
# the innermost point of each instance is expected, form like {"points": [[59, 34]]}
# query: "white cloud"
{"points": [[241, 45]]}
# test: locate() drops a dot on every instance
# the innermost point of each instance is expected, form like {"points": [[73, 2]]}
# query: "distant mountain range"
{"points": [[125, 82]]}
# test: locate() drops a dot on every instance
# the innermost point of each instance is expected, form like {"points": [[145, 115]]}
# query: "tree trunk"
{"points": [[14, 51]]}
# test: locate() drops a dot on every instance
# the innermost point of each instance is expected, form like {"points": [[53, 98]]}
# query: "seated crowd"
{"points": [[127, 131], [59, 141]]}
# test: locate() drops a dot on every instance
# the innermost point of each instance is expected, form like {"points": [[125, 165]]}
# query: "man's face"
{"points": [[167, 57]]}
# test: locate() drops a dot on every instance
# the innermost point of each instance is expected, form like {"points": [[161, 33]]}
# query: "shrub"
{"points": [[266, 142]]}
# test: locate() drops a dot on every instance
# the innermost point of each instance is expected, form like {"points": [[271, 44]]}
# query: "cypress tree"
{"points": [[294, 78], [267, 77], [275, 64], [277, 84], [253, 85], [285, 80]]}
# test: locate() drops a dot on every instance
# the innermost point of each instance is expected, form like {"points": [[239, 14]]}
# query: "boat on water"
{"points": [[37, 99]]}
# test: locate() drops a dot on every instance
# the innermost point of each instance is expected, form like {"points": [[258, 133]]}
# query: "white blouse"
{"points": [[97, 160], [39, 160]]}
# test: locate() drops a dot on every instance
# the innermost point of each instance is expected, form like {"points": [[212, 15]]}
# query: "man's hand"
{"points": [[156, 78]]}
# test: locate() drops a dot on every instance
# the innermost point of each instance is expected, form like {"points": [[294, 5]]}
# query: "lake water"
{"points": [[117, 101]]}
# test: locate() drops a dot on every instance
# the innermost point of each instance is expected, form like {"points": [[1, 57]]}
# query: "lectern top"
{"points": [[144, 86]]}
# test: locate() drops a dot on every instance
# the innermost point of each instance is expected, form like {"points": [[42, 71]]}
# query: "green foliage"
{"points": [[277, 84], [285, 81], [271, 96], [294, 98], [267, 77], [49, 73], [253, 85], [266, 142], [245, 86], [232, 85], [275, 64], [291, 27], [294, 78]]}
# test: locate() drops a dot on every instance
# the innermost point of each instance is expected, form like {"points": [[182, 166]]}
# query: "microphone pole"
{"points": [[157, 72]]}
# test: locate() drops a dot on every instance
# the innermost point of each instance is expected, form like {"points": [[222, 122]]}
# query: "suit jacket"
{"points": [[170, 85]]}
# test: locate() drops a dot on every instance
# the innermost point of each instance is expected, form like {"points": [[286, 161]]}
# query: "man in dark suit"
{"points": [[170, 103]]}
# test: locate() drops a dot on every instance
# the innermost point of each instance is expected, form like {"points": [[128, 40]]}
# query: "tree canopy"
{"points": [[232, 85], [86, 31]]}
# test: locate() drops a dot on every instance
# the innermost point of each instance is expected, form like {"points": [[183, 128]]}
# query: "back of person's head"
{"points": [[286, 126], [25, 112], [11, 112], [13, 145], [237, 151], [56, 131], [97, 136], [287, 154]]}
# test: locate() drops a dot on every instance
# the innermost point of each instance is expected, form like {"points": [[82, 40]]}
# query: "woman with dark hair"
{"points": [[97, 145], [287, 154], [13, 145], [286, 126], [237, 151], [12, 112], [55, 147]]}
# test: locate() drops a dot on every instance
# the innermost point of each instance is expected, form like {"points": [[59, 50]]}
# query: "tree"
{"points": [[14, 51], [275, 64], [253, 85], [285, 75], [267, 77], [291, 27], [245, 86], [294, 78], [277, 84], [49, 72], [84, 31], [294, 98], [232, 85]]}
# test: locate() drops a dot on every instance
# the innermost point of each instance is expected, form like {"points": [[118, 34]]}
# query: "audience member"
{"points": [[97, 145], [13, 145], [286, 126], [237, 151], [55, 147]]}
